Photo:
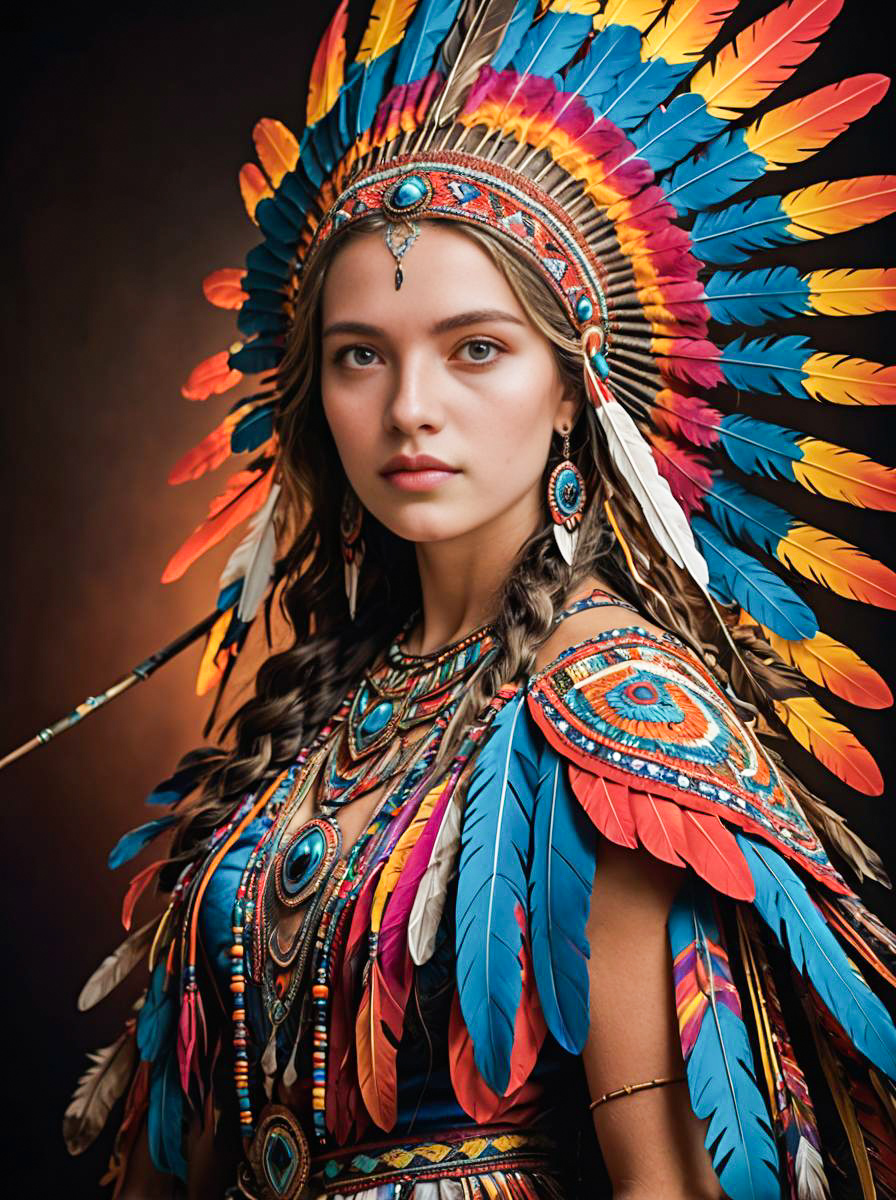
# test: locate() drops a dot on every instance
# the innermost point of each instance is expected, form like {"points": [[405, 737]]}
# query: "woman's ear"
{"points": [[570, 407]]}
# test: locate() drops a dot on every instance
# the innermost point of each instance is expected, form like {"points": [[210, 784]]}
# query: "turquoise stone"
{"points": [[600, 365], [377, 719], [584, 307], [567, 492], [409, 192], [280, 1161], [303, 859]]}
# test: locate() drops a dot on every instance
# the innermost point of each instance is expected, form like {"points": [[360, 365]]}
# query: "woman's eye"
{"points": [[480, 351], [356, 356]]}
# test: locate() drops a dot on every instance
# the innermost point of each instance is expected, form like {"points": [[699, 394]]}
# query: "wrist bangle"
{"points": [[630, 1088]]}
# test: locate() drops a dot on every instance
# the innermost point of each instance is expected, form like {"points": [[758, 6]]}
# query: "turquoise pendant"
{"points": [[279, 1156], [306, 858]]}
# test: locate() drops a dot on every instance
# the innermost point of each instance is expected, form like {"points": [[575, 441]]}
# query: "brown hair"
{"points": [[299, 688]]}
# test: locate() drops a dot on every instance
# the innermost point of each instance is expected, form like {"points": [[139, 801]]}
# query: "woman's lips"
{"points": [[423, 480]]}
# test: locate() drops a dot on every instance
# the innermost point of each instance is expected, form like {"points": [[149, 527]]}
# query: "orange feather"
{"points": [[246, 492], [211, 451], [842, 474], [136, 888], [212, 377], [839, 205], [761, 57], [851, 291], [328, 68], [224, 289], [253, 188], [842, 380], [846, 570], [795, 131], [686, 30], [834, 666], [276, 147], [835, 746], [378, 1028]]}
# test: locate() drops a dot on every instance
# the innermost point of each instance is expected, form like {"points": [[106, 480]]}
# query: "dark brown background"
{"points": [[125, 133]]}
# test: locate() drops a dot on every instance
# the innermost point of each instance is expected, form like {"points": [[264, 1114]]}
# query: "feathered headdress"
{"points": [[613, 148]]}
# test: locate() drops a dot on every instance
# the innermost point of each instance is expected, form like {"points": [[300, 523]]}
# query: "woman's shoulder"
{"points": [[584, 625]]}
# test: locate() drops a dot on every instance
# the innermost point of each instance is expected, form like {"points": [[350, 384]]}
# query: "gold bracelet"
{"points": [[630, 1088]]}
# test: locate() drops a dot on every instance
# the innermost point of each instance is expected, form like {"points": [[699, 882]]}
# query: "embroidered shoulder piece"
{"points": [[641, 712]]}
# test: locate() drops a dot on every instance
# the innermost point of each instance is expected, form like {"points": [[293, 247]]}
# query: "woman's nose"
{"points": [[413, 404]]}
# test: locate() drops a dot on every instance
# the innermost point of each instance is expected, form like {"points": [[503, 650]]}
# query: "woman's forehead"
{"points": [[444, 272]]}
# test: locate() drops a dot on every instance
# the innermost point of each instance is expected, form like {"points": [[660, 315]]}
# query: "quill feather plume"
{"points": [[101, 1085], [117, 966]]}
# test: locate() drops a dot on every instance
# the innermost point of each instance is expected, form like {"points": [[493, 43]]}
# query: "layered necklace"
{"points": [[377, 738]]}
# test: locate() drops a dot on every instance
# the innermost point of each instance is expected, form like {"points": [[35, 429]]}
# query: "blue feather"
{"points": [[155, 1020], [423, 39], [551, 43], [229, 595], [759, 448], [613, 51], [494, 856], [740, 514], [787, 908], [130, 844], [365, 86], [720, 1069], [179, 784], [737, 577], [709, 178], [736, 232], [255, 357], [514, 34], [641, 89], [766, 365], [668, 135], [754, 297], [564, 859], [165, 1117], [261, 258], [253, 430]]}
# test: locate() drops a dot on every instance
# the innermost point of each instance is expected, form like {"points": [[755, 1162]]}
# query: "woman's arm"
{"points": [[651, 1141], [209, 1171]]}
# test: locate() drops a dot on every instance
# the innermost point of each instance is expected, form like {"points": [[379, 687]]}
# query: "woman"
{"points": [[497, 848]]}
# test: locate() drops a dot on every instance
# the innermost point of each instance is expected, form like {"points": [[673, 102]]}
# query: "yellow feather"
{"points": [[838, 205], [253, 188], [852, 292], [209, 672], [328, 68], [639, 13], [686, 30], [846, 570], [834, 666], [399, 856], [385, 29], [842, 474], [582, 8], [835, 746], [842, 380]]}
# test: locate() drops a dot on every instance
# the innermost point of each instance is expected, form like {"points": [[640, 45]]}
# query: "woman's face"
{"points": [[449, 372]]}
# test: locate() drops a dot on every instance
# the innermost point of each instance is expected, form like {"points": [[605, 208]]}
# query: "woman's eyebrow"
{"points": [[459, 321]]}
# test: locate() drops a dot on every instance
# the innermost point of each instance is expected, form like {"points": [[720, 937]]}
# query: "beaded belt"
{"points": [[444, 1156], [280, 1166]]}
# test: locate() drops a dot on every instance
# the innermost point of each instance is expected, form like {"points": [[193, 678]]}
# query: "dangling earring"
{"points": [[350, 522], [566, 500]]}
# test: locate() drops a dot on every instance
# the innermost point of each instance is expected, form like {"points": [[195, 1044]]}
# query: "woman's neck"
{"points": [[461, 578]]}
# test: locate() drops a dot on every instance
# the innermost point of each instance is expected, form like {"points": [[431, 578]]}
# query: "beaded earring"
{"points": [[566, 500], [350, 522]]}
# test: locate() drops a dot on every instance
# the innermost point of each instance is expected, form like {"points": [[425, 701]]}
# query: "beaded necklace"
{"points": [[349, 757]]}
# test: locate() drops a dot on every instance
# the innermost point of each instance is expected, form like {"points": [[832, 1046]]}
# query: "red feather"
{"points": [[606, 804], [246, 492], [689, 417], [191, 1033], [474, 1095], [136, 888], [212, 377], [687, 475]]}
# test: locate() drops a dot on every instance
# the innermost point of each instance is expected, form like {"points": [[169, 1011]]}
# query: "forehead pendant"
{"points": [[403, 200]]}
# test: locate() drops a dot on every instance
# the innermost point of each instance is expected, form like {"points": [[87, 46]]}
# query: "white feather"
{"points": [[116, 966], [811, 1181], [253, 559], [631, 454], [429, 903]]}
